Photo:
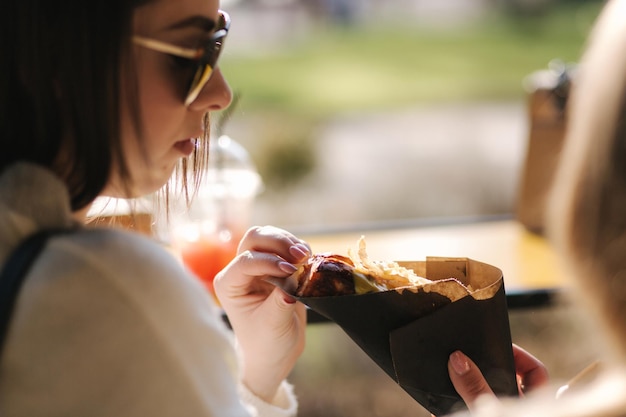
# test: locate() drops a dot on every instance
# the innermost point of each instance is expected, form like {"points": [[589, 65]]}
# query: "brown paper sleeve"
{"points": [[411, 333], [420, 351]]}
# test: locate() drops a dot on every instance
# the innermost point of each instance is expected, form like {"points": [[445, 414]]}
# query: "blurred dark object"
{"points": [[548, 91]]}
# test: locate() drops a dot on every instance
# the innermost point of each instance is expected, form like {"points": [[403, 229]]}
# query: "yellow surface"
{"points": [[526, 260]]}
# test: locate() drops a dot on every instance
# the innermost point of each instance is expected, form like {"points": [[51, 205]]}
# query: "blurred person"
{"points": [[587, 224], [106, 98]]}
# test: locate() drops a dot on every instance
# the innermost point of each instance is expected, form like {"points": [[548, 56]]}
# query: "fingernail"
{"points": [[460, 363], [299, 251], [289, 299], [287, 267]]}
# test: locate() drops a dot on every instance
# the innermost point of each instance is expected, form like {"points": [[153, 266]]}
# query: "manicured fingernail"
{"points": [[299, 251], [460, 363], [287, 267], [289, 299]]}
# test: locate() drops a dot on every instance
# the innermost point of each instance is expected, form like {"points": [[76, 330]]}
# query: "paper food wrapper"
{"points": [[410, 333]]}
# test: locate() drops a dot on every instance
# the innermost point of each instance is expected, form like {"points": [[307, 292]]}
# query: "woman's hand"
{"points": [[268, 323], [470, 383]]}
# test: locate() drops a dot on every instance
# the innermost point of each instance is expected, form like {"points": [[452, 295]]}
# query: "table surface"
{"points": [[527, 261]]}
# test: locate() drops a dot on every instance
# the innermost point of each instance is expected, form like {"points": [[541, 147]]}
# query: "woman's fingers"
{"points": [[470, 383], [247, 274], [531, 372], [274, 240], [467, 378], [267, 255]]}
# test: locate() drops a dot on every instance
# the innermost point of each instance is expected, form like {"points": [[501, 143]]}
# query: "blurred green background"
{"points": [[300, 69], [392, 62]]}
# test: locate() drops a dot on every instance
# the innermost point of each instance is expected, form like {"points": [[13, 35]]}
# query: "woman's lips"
{"points": [[186, 147]]}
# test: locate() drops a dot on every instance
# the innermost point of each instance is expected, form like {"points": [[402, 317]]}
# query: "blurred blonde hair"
{"points": [[587, 213], [587, 220]]}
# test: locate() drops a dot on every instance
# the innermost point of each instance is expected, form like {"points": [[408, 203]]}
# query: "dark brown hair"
{"points": [[62, 62]]}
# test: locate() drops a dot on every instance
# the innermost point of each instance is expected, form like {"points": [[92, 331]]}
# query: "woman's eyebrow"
{"points": [[198, 21]]}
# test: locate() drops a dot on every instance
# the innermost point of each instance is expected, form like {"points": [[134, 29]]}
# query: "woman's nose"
{"points": [[216, 94]]}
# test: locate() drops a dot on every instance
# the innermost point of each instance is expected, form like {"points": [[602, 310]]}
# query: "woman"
{"points": [[588, 223], [105, 98]]}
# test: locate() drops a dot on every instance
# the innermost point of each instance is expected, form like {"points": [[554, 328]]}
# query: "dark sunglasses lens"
{"points": [[207, 63], [205, 67], [213, 51]]}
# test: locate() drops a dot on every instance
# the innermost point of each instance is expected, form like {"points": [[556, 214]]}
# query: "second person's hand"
{"points": [[469, 382], [268, 323]]}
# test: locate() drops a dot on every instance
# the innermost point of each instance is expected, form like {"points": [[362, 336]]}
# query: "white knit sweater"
{"points": [[108, 323]]}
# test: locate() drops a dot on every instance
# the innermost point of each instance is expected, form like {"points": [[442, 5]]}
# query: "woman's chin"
{"points": [[136, 189]]}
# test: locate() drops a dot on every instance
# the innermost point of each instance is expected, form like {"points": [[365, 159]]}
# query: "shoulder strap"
{"points": [[15, 269]]}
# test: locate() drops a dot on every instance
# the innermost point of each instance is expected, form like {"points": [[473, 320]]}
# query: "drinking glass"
{"points": [[206, 234]]}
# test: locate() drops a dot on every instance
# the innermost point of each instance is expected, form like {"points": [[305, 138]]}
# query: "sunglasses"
{"points": [[205, 56]]}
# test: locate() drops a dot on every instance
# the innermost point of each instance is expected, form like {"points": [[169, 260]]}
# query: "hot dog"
{"points": [[329, 274]]}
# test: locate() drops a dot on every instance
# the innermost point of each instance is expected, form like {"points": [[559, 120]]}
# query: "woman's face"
{"points": [[169, 128]]}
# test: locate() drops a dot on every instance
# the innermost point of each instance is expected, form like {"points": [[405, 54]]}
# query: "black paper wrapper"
{"points": [[411, 333]]}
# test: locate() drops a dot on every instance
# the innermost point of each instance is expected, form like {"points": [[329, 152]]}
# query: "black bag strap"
{"points": [[15, 269]]}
